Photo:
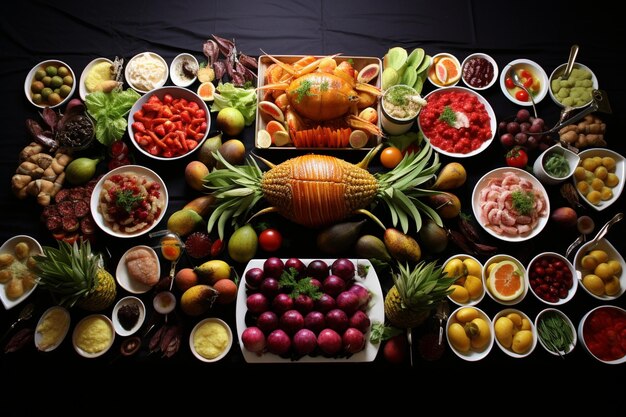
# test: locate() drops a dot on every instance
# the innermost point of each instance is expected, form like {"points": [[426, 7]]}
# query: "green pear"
{"points": [[205, 155]]}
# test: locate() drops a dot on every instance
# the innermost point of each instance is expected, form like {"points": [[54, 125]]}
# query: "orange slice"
{"points": [[452, 70], [505, 281]]}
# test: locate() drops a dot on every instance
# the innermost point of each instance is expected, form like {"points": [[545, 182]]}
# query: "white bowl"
{"points": [[82, 88], [499, 258], [9, 247], [538, 319], [539, 166], [619, 171], [176, 70], [431, 69], [62, 330], [130, 300], [483, 56], [533, 329], [81, 324], [492, 122], [141, 171], [164, 302], [538, 71], [158, 60], [557, 73], [31, 77], [474, 301], [176, 93], [472, 355], [531, 274], [605, 245], [581, 332], [483, 183], [131, 285], [229, 344]]}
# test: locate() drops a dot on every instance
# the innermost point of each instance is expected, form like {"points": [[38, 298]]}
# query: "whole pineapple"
{"points": [[415, 293], [76, 276]]}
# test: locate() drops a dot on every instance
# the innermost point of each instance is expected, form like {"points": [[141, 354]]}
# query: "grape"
{"points": [[538, 121], [507, 140], [535, 128], [523, 115], [512, 127], [523, 127], [521, 138], [502, 125], [532, 142]]}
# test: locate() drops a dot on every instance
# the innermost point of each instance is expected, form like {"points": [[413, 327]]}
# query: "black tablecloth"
{"points": [[77, 32]]}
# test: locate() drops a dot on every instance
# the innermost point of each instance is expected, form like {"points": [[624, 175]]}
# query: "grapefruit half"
{"points": [[506, 281]]}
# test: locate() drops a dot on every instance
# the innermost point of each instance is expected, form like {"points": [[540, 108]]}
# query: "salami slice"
{"points": [[70, 223], [87, 225], [62, 195], [49, 211], [81, 208], [54, 223], [77, 193], [66, 208]]}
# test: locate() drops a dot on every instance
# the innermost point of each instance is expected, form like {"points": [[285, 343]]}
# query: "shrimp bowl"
{"points": [[511, 204]]}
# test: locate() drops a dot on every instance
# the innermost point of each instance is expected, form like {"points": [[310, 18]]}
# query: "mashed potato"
{"points": [[94, 335], [52, 328], [210, 340], [146, 72]]}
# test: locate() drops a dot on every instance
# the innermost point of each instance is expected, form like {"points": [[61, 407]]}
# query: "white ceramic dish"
{"points": [[376, 314], [539, 166], [533, 329], [175, 69], [472, 355], [570, 293], [129, 284], [38, 337], [490, 60], [583, 341], [82, 89], [492, 122], [31, 75], [8, 247], [538, 319], [164, 302], [620, 171], [557, 73], [431, 69], [78, 328], [176, 93], [498, 173], [605, 245], [139, 170], [539, 72], [226, 349], [130, 300], [522, 270], [471, 302], [158, 84]]}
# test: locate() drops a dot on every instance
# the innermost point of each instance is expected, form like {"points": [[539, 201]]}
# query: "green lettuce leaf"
{"points": [[243, 99], [110, 111]]}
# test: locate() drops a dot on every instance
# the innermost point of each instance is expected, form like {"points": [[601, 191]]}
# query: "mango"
{"points": [[205, 154], [452, 175], [458, 338], [184, 221], [201, 205], [233, 151], [402, 247], [197, 300], [195, 171], [212, 271], [446, 204]]}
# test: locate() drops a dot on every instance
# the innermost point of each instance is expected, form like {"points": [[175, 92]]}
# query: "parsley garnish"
{"points": [[298, 286], [303, 90], [523, 201], [126, 200], [448, 115], [323, 86]]}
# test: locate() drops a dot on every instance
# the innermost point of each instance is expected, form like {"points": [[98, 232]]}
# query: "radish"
{"points": [[343, 268], [278, 342], [270, 287], [329, 342], [273, 267], [257, 303], [325, 303], [297, 264], [304, 341], [359, 320], [315, 321], [353, 340], [316, 282], [348, 301], [281, 303], [303, 303], [363, 294], [291, 321], [267, 321], [317, 269], [333, 285], [253, 339], [254, 277], [337, 320]]}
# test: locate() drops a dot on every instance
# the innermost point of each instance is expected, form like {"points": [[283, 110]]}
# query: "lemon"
{"points": [[263, 139], [506, 281], [454, 268], [473, 267], [467, 314], [615, 266], [600, 255], [458, 338], [579, 173], [504, 331], [594, 284], [515, 318], [480, 339], [522, 341], [589, 262], [612, 286], [526, 324], [459, 294], [608, 163], [474, 286], [604, 271]]}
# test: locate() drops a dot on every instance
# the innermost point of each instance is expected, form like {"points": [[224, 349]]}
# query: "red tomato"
{"points": [[517, 158], [270, 240], [508, 82], [521, 95]]}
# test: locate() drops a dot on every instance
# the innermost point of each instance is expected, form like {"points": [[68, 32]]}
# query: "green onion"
{"points": [[555, 332], [556, 165]]}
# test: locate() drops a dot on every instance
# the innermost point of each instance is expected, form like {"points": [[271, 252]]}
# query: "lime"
{"points": [[39, 74], [65, 90], [51, 70], [36, 86], [63, 71], [68, 80], [37, 99], [56, 81], [46, 92], [54, 99]]}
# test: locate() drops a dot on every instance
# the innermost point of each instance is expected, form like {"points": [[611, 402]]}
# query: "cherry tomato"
{"points": [[270, 240], [391, 157], [508, 82], [517, 158], [521, 95]]}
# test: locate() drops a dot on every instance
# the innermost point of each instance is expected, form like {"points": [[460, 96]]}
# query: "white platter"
{"points": [[8, 247], [82, 89], [38, 335], [81, 323], [140, 170], [497, 173], [620, 171], [130, 300], [226, 349], [126, 282], [376, 314]]}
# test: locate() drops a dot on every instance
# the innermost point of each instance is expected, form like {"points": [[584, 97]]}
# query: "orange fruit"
{"points": [[185, 279], [506, 281], [227, 291], [452, 70], [274, 126], [390, 157]]}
